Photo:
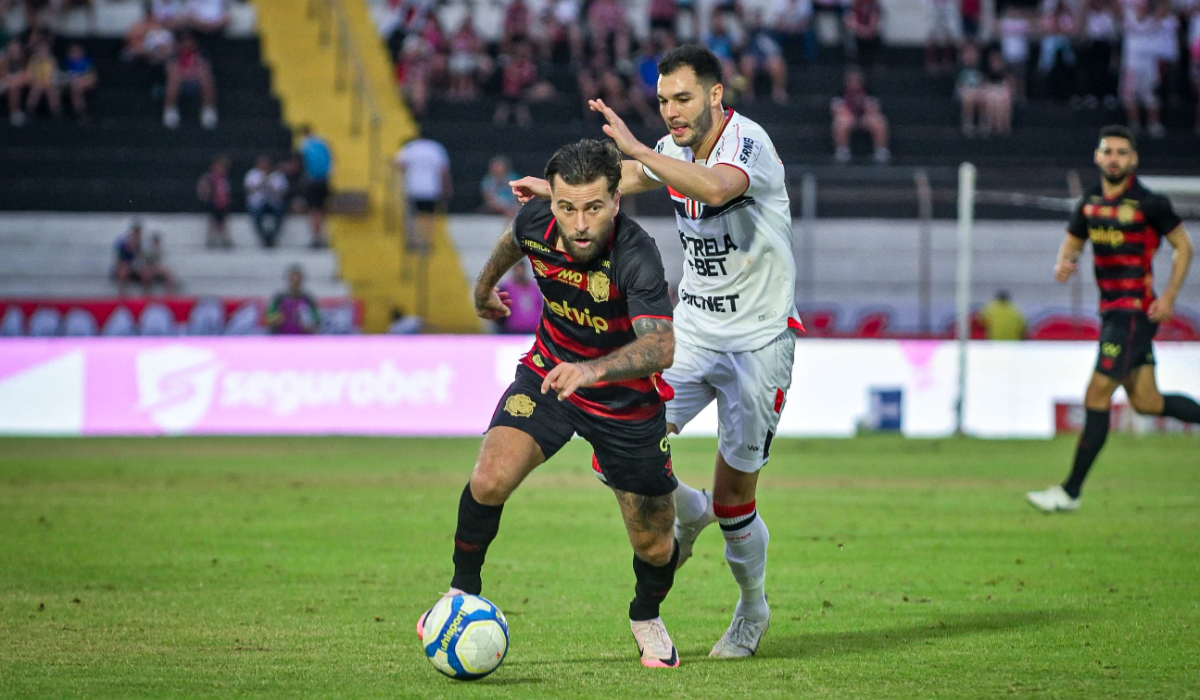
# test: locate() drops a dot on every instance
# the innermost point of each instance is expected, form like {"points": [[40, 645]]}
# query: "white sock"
{"points": [[690, 504], [746, 539]]}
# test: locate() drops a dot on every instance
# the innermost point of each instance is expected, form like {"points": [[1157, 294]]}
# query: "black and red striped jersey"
{"points": [[589, 308], [1125, 230]]}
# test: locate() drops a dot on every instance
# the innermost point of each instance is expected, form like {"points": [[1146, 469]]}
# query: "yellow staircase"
{"points": [[370, 249]]}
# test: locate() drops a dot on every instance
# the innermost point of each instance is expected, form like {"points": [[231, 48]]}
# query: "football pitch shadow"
{"points": [[818, 644]]}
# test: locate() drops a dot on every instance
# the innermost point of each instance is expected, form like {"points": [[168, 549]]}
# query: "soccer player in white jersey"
{"points": [[734, 339]]}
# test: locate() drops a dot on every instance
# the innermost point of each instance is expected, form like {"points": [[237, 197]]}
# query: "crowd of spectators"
{"points": [[137, 262], [594, 42], [1133, 54], [35, 79]]}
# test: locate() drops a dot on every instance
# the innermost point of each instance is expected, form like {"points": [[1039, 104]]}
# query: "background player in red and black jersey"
{"points": [[1126, 224], [605, 334]]}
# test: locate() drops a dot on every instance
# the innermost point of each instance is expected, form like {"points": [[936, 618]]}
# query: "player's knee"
{"points": [[1146, 405], [654, 548], [488, 483]]}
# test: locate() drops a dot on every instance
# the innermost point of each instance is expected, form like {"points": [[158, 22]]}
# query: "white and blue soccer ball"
{"points": [[466, 637]]}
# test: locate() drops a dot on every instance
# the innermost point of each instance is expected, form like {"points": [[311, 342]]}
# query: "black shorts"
{"points": [[425, 206], [317, 194], [630, 455], [1125, 343]]}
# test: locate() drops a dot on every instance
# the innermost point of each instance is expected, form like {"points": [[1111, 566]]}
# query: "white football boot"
{"points": [[421, 620], [654, 644], [1052, 500], [741, 639], [686, 533]]}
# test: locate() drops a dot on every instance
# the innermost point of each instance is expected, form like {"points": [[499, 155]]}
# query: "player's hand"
{"points": [[568, 377], [617, 129], [1064, 269], [528, 188], [1161, 309], [496, 306]]}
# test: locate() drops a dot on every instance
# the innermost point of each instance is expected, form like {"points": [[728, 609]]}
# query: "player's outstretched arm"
{"points": [[633, 181], [713, 186], [490, 302], [1068, 254], [1163, 307], [652, 351]]}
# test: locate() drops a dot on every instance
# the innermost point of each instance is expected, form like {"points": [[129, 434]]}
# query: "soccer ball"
{"points": [[466, 637]]}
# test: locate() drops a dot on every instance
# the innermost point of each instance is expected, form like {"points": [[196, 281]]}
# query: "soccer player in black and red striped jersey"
{"points": [[605, 335], [1126, 224]]}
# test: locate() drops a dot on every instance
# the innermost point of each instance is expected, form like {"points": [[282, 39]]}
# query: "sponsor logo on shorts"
{"points": [[1110, 350], [664, 445], [519, 406]]}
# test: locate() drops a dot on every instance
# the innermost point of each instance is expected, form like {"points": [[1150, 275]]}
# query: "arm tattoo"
{"points": [[504, 255], [653, 351]]}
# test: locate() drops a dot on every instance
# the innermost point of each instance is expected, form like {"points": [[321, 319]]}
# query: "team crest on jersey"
{"points": [[1126, 213], [599, 286], [519, 406], [539, 268]]}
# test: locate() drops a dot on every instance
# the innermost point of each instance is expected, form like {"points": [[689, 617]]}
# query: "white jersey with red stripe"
{"points": [[739, 277]]}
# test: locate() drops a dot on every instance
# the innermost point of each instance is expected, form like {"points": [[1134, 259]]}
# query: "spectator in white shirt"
{"points": [[172, 13], [208, 17], [1139, 70], [1194, 53], [425, 165], [792, 22], [266, 200]]}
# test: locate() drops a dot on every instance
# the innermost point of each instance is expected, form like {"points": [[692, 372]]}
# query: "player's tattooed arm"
{"points": [[490, 302], [653, 351]]}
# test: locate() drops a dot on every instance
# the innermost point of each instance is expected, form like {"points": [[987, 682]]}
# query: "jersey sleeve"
{"points": [[660, 147], [1078, 226], [644, 281], [1160, 214], [751, 155], [533, 221]]}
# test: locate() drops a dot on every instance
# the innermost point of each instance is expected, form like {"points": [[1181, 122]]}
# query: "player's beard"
{"points": [[599, 243], [700, 129], [1116, 178]]}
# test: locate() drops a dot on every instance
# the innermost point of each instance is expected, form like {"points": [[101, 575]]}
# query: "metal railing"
{"points": [[350, 72]]}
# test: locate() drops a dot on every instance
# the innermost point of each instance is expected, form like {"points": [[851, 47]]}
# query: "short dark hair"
{"points": [[584, 161], [704, 62], [1121, 132]]}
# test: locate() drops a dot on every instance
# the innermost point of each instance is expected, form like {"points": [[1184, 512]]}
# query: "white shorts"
{"points": [[750, 389], [1139, 83]]}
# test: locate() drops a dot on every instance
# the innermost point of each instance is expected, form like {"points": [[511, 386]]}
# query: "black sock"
{"points": [[1181, 407], [1095, 432], [477, 527], [653, 584]]}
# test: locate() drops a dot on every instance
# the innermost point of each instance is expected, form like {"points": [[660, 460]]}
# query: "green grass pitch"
{"points": [[295, 568]]}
